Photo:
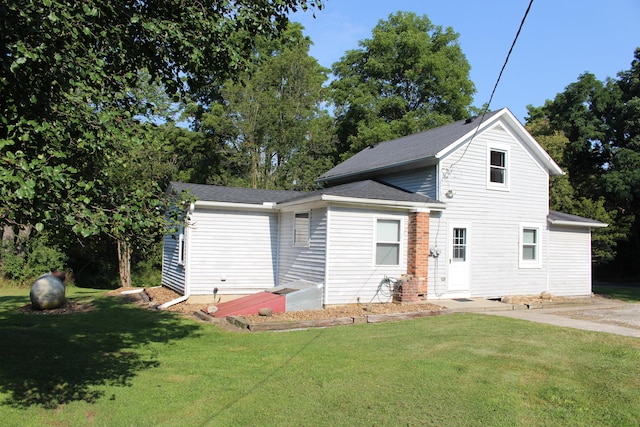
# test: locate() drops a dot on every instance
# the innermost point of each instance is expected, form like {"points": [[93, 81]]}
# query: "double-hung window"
{"points": [[387, 242], [301, 229], [498, 168], [529, 246]]}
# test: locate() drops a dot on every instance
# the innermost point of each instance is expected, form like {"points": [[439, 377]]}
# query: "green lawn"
{"points": [[124, 366], [626, 292]]}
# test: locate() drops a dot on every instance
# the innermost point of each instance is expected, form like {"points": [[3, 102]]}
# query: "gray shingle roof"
{"points": [[369, 189], [359, 190], [565, 217], [409, 149], [217, 193]]}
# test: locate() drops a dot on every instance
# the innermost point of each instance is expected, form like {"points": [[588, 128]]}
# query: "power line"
{"points": [[508, 55], [506, 60]]}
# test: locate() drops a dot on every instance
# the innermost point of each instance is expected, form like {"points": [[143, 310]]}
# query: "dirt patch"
{"points": [[535, 299], [354, 310], [160, 295], [69, 307]]}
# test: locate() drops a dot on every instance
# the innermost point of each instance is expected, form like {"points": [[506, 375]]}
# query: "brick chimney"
{"points": [[415, 284]]}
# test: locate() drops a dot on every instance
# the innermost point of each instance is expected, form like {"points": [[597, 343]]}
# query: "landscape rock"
{"points": [[266, 311]]}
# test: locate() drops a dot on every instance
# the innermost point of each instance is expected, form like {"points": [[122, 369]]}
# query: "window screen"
{"points": [[459, 244], [388, 242], [498, 167], [529, 244], [301, 229]]}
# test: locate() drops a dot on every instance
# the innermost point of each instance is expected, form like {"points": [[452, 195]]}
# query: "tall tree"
{"points": [[133, 207], [602, 155], [272, 115], [564, 197], [410, 76], [69, 74]]}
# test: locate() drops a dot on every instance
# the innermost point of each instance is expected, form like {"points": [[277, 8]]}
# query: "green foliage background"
{"points": [[592, 130], [96, 95]]}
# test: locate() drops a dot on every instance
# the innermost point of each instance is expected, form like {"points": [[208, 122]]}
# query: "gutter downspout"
{"points": [[548, 266], [327, 259], [173, 302], [160, 307]]}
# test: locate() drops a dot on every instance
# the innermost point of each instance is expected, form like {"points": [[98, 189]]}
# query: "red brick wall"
{"points": [[418, 251]]}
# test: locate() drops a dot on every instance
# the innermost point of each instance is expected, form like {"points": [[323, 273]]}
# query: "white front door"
{"points": [[458, 258]]}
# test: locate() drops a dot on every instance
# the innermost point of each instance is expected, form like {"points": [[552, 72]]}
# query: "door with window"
{"points": [[458, 258]]}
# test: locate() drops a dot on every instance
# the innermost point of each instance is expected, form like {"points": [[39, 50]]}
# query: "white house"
{"points": [[462, 209]]}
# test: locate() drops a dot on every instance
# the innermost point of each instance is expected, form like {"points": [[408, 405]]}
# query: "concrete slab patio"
{"points": [[596, 314]]}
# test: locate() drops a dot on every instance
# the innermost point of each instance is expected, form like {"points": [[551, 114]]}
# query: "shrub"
{"points": [[37, 258]]}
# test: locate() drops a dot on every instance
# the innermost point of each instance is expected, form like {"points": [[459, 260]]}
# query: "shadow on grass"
{"points": [[50, 360], [626, 292]]}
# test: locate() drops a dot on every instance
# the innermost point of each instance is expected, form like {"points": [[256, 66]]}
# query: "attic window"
{"points": [[498, 168]]}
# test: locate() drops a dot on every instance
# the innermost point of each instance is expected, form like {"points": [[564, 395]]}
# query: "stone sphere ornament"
{"points": [[47, 293]]}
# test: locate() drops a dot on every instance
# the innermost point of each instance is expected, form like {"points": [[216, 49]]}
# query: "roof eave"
{"points": [[580, 224], [234, 205], [400, 204], [395, 204]]}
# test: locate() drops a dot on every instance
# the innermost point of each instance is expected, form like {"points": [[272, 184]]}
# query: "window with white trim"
{"points": [[498, 168], [387, 242], [529, 246], [181, 247], [301, 229]]}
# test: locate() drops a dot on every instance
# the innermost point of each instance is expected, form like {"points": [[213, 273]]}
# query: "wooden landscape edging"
{"points": [[379, 318], [242, 323]]}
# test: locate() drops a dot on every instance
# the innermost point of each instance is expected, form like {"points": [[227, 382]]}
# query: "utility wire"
{"points": [[508, 55], [486, 108]]}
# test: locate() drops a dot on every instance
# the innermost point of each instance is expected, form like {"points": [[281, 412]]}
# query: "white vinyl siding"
{"points": [[422, 181], [303, 263], [494, 216], [353, 276], [570, 261], [232, 250], [173, 273]]}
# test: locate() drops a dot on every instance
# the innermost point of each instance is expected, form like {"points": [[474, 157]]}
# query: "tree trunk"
{"points": [[124, 263]]}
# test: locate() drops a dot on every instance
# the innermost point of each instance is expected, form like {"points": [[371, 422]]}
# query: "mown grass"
{"points": [[120, 365], [626, 292]]}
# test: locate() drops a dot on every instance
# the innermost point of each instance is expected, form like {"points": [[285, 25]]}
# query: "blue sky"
{"points": [[560, 40]]}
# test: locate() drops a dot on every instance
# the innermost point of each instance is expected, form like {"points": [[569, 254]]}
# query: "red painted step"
{"points": [[251, 304]]}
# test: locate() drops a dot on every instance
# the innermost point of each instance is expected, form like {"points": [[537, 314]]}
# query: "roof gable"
{"points": [[426, 148]]}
